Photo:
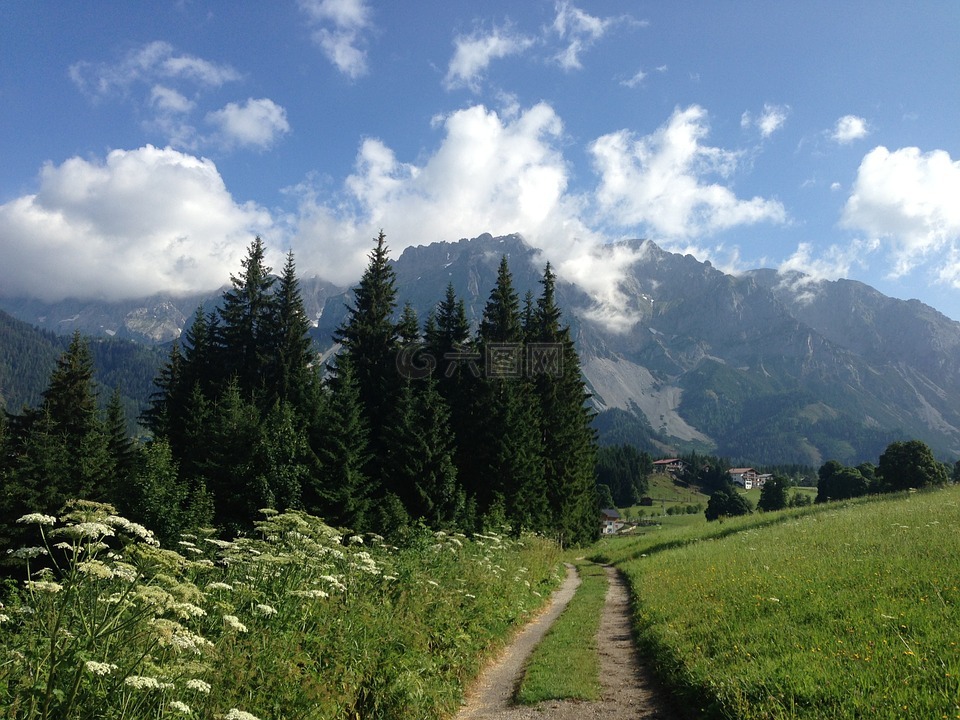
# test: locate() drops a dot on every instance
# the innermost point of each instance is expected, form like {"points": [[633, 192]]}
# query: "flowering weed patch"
{"points": [[847, 612], [298, 622]]}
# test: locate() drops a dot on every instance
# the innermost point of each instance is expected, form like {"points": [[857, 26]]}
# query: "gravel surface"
{"points": [[629, 692]]}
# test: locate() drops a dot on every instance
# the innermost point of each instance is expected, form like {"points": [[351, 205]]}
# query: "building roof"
{"points": [[665, 462], [740, 471], [610, 513]]}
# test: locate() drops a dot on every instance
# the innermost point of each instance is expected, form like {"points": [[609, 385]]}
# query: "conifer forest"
{"points": [[414, 422]]}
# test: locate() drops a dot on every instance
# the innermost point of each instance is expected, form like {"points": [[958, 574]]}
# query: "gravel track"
{"points": [[629, 692]]}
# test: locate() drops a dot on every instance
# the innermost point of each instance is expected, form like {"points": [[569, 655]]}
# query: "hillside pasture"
{"points": [[839, 611]]}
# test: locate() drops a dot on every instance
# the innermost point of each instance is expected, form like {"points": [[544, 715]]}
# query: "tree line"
{"points": [[410, 423]]}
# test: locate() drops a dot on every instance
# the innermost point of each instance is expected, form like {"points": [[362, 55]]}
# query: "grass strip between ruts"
{"points": [[565, 665]]}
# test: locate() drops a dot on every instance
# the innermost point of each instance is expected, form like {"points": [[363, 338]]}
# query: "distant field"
{"points": [[834, 611]]}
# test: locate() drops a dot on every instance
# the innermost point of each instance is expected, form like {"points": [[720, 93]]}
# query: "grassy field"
{"points": [[839, 611]]}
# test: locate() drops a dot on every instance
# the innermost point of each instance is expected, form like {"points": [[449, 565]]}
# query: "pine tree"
{"points": [[505, 447], [340, 491], [368, 338], [290, 374], [120, 446], [569, 442], [70, 401], [246, 314]]}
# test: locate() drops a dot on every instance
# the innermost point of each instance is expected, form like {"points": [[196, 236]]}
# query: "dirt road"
{"points": [[629, 692]]}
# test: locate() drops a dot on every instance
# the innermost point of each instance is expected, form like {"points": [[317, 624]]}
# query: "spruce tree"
{"points": [[569, 443], [340, 491], [506, 464], [246, 314], [368, 338], [290, 372]]}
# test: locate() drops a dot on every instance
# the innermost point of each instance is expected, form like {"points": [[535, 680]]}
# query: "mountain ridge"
{"points": [[760, 367]]}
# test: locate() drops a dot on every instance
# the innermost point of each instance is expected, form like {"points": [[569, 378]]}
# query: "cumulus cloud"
{"points": [[659, 182], [907, 200], [139, 222], [474, 53], [256, 123], [339, 31], [769, 121], [849, 128], [580, 30], [516, 182]]}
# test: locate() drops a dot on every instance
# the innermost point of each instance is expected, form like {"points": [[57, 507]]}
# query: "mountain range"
{"points": [[760, 367]]}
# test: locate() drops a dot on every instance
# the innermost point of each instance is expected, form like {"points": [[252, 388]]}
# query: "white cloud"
{"points": [[473, 55], [256, 122], [657, 182], [634, 81], [580, 31], [850, 128], [908, 201], [832, 263], [489, 174], [169, 100], [154, 61], [139, 222], [339, 32], [770, 120]]}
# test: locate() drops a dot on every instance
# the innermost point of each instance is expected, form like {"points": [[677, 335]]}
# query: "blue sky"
{"points": [[143, 145]]}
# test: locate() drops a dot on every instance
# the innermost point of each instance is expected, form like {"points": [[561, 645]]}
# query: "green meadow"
{"points": [[833, 611]]}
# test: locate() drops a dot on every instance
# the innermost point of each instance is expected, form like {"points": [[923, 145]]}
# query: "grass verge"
{"points": [[565, 665]]}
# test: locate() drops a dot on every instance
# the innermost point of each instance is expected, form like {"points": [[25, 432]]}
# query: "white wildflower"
{"points": [[433, 582], [313, 594], [198, 686], [356, 540], [37, 519], [135, 529], [125, 572], [180, 707], [219, 586], [96, 569], [4, 618], [223, 544], [84, 530], [142, 682], [44, 586], [266, 610], [389, 577], [99, 668], [27, 553], [235, 714], [232, 621], [187, 610]]}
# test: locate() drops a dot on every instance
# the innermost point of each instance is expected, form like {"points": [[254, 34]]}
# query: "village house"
{"points": [[670, 466], [610, 521], [744, 477]]}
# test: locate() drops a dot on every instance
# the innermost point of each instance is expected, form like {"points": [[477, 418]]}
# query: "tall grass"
{"points": [[297, 622], [836, 612]]}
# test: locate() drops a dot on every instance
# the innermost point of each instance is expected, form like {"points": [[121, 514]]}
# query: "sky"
{"points": [[144, 145]]}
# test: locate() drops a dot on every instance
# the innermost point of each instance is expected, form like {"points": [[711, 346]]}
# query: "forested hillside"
{"points": [[28, 355], [244, 418]]}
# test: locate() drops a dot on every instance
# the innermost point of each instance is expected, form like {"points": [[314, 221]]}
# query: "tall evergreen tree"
{"points": [[247, 313], [569, 441], [290, 372], [368, 338], [506, 465], [340, 491]]}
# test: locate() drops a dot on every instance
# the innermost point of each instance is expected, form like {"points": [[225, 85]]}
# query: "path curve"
{"points": [[628, 689]]}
